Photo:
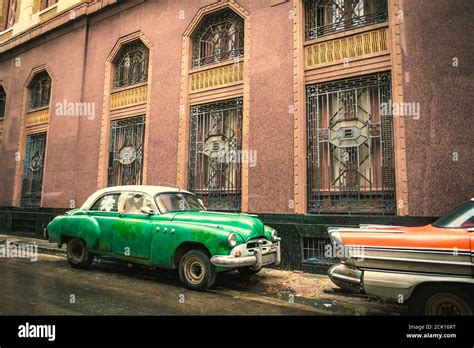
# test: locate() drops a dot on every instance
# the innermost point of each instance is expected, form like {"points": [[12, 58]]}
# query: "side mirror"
{"points": [[147, 210]]}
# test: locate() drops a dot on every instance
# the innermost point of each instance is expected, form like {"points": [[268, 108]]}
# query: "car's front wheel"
{"points": [[77, 253], [196, 270], [442, 300]]}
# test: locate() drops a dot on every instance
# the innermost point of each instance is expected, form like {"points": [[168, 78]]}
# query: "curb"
{"points": [[41, 248], [51, 251]]}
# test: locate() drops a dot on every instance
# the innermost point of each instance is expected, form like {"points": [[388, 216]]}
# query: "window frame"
{"points": [[39, 77], [10, 16], [124, 53], [112, 193], [198, 60], [44, 4], [3, 100], [155, 208], [329, 17]]}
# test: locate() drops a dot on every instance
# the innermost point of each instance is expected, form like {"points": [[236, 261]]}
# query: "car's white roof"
{"points": [[148, 189]]}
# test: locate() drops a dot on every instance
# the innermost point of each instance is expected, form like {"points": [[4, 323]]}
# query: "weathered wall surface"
{"points": [[77, 61], [435, 33]]}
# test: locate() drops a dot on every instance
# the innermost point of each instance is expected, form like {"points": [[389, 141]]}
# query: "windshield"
{"points": [[462, 217], [177, 201]]}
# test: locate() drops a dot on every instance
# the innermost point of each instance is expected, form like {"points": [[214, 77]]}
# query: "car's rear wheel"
{"points": [[196, 270], [77, 253], [441, 300], [248, 271]]}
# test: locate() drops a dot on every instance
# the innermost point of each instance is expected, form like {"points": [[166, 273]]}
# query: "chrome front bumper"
{"points": [[264, 254]]}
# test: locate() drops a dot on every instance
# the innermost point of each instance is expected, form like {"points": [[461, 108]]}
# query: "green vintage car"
{"points": [[164, 227]]}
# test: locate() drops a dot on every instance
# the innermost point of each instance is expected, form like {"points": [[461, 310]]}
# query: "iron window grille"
{"points": [[131, 66], [215, 173], [220, 37], [350, 146], [126, 151], [325, 17], [40, 91], [23, 224], [314, 251], [33, 170], [3, 100]]}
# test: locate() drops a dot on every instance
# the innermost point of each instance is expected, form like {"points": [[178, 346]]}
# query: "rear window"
{"points": [[107, 203], [461, 217]]}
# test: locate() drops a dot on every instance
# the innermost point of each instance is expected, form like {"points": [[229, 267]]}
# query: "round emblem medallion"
{"points": [[36, 163], [127, 155], [215, 146], [349, 133]]}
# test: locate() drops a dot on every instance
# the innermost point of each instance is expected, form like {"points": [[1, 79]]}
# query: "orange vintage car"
{"points": [[430, 268]]}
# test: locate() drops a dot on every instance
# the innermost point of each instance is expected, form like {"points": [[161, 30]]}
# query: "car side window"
{"points": [[107, 203], [133, 202]]}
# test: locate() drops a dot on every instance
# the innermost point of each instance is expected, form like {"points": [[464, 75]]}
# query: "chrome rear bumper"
{"points": [[387, 284], [346, 277]]}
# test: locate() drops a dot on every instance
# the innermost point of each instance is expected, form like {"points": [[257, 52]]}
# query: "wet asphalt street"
{"points": [[50, 286]]}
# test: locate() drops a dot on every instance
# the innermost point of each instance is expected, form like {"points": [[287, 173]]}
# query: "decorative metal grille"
{"points": [[314, 251], [3, 100], [33, 170], [350, 146], [324, 17], [40, 91], [220, 37], [126, 151], [215, 139], [131, 66]]}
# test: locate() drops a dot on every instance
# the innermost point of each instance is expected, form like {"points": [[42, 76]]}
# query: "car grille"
{"points": [[260, 242]]}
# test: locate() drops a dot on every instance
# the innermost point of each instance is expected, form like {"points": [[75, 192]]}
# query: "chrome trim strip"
{"points": [[421, 250], [355, 229], [444, 275], [368, 226], [364, 257]]}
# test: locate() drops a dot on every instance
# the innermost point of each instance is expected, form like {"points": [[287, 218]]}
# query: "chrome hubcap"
{"points": [[194, 270]]}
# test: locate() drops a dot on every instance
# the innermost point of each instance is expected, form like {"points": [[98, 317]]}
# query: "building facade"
{"points": [[299, 108]]}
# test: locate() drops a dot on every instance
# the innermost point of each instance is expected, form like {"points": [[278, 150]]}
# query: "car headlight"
{"points": [[232, 240], [274, 236]]}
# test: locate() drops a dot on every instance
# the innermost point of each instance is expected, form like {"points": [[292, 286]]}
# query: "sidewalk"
{"points": [[43, 245]]}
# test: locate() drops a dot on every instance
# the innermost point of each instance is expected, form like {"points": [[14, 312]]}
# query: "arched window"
{"points": [[40, 91], [220, 37], [3, 99], [131, 65]]}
